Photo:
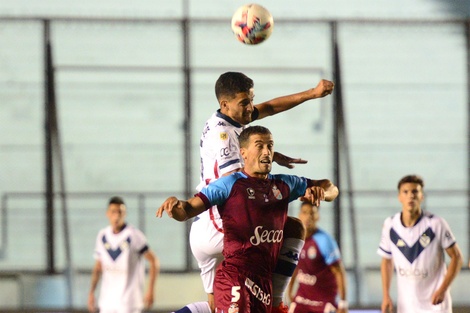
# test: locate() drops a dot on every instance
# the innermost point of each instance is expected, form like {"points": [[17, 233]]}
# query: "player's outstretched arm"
{"points": [[284, 160], [322, 190], [181, 210], [284, 103]]}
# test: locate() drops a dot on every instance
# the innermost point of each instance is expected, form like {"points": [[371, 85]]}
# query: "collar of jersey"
{"points": [[228, 119]]}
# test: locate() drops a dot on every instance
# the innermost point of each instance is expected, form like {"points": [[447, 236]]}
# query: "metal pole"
{"points": [[467, 36], [187, 131], [336, 144], [50, 266]]}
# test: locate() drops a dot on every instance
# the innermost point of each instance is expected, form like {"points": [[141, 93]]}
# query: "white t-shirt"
{"points": [[122, 284], [220, 154], [418, 253]]}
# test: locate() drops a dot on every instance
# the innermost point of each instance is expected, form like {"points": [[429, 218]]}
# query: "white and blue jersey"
{"points": [[123, 276], [418, 253]]}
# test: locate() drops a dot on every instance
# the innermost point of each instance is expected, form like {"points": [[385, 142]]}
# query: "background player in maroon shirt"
{"points": [[253, 205], [320, 274]]}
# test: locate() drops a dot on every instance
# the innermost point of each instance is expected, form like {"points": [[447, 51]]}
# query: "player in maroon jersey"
{"points": [[253, 205], [320, 274]]}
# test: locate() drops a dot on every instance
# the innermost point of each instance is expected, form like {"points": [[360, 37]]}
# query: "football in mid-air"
{"points": [[252, 24]]}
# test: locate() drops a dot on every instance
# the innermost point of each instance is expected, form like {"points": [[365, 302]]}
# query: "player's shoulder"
{"points": [[103, 231], [323, 235], [285, 177], [232, 178], [433, 218], [389, 220]]}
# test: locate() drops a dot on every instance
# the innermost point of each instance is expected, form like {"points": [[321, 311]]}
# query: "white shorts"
{"points": [[207, 243]]}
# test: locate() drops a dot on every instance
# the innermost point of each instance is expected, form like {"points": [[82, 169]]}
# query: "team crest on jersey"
{"points": [[424, 240], [311, 253], [223, 136], [233, 308], [277, 193], [251, 193]]}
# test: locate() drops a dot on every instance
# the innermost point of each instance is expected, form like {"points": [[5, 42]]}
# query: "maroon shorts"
{"points": [[237, 291]]}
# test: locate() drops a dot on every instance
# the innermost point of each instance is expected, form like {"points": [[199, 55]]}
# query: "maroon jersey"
{"points": [[318, 288], [254, 212]]}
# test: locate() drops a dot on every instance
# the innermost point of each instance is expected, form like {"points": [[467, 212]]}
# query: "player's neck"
{"points": [[255, 174], [311, 231], [409, 218]]}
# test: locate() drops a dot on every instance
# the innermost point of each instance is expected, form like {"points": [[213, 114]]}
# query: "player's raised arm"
{"points": [[181, 210], [284, 103]]}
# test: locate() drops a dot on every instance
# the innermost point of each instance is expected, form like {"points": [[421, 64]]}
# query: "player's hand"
{"points": [[148, 300], [169, 206], [437, 297], [91, 303], [284, 160], [324, 88], [387, 305], [314, 195]]}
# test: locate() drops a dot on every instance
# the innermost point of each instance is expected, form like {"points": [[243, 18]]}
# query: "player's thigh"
{"points": [[234, 291], [294, 228], [206, 241]]}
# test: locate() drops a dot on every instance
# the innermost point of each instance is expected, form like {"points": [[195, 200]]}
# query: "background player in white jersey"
{"points": [[415, 242], [220, 156], [120, 252]]}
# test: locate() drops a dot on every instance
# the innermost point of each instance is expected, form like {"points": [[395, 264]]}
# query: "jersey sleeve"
{"points": [[297, 185], [384, 249], [140, 241], [447, 238], [328, 247], [226, 146], [217, 192]]}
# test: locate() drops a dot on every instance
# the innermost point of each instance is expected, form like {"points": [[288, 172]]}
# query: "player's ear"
{"points": [[223, 104], [243, 152]]}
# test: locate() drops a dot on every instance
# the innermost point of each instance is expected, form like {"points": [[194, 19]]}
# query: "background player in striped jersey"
{"points": [[415, 242], [253, 205], [220, 156], [120, 252], [320, 273]]}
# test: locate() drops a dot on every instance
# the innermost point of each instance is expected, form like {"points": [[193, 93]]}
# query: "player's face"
{"points": [[258, 155], [239, 108], [116, 214], [410, 196], [309, 216]]}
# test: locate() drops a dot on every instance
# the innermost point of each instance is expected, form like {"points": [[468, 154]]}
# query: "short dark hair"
{"points": [[116, 200], [231, 83], [249, 131], [411, 179]]}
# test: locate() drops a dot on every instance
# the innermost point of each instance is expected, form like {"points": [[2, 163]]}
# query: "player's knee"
{"points": [[294, 228]]}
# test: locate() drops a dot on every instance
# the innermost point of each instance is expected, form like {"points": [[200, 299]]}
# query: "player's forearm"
{"points": [[95, 278], [453, 269], [154, 269], [284, 103], [386, 272]]}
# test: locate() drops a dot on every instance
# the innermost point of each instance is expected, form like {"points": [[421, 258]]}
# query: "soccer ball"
{"points": [[252, 24]]}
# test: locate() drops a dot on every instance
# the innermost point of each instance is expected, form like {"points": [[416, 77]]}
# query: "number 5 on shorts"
{"points": [[235, 293]]}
